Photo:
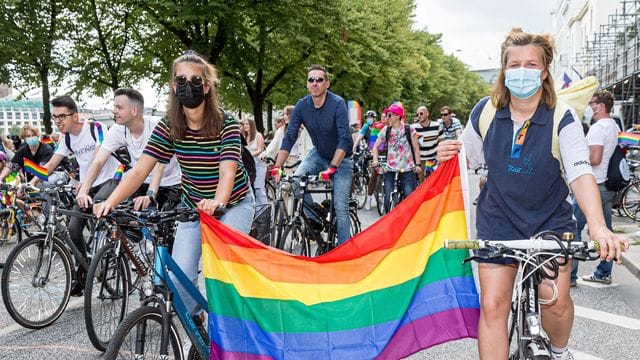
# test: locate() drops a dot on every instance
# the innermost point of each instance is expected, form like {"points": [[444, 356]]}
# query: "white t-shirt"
{"points": [[120, 136], [603, 132], [83, 147]]}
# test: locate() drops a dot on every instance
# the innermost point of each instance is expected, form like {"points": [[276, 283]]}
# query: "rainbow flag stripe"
{"points": [[45, 139], [118, 174], [628, 138], [373, 297], [429, 165], [36, 170]]}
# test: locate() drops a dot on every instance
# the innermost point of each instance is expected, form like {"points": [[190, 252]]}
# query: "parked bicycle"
{"points": [[539, 259], [150, 331]]}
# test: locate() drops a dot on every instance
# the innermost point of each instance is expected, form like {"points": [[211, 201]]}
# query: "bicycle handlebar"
{"points": [[521, 244]]}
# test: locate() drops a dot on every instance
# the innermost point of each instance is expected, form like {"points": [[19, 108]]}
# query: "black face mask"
{"points": [[189, 95]]}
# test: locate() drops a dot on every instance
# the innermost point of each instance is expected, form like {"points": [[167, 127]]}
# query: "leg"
{"points": [[341, 190], [373, 180], [606, 196], [581, 221], [261, 176], [496, 284], [76, 225], [312, 164], [408, 182], [557, 318], [186, 253], [388, 188], [240, 216]]}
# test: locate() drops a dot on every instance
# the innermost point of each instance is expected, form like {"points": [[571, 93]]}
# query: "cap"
{"points": [[396, 109]]}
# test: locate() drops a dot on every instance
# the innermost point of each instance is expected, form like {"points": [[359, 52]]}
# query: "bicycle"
{"points": [[396, 195], [539, 258], [150, 330], [109, 281], [36, 280], [361, 176], [379, 189], [17, 217]]}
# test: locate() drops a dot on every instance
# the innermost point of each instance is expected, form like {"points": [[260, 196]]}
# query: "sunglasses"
{"points": [[390, 114], [444, 114], [319, 80], [420, 114], [195, 80]]}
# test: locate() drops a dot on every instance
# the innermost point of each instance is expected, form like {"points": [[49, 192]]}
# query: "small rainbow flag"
{"points": [[429, 165], [36, 170], [388, 292], [46, 139], [118, 174], [628, 138], [354, 112]]}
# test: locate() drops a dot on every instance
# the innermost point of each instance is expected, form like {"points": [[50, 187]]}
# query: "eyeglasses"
{"points": [[390, 114], [319, 80], [195, 80], [420, 114], [445, 114], [60, 117]]}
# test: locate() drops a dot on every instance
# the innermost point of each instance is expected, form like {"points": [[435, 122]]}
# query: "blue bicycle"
{"points": [[149, 332]]}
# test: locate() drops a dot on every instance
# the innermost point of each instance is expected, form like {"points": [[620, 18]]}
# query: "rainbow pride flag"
{"points": [[388, 292], [429, 165], [36, 170], [628, 138], [46, 139], [118, 174], [354, 112]]}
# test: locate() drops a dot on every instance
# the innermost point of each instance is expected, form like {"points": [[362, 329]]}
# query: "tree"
{"points": [[32, 28]]}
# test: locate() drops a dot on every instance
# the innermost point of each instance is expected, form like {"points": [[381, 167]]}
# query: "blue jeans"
{"points": [[606, 197], [259, 185], [408, 183], [341, 182], [187, 247]]}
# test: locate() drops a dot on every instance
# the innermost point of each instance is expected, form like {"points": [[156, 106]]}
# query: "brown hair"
{"points": [[603, 97], [500, 96], [252, 129], [288, 110], [318, 67], [29, 129], [212, 125]]}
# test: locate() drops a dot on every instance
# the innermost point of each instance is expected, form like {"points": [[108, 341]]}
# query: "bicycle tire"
{"points": [[10, 236], [144, 323], [359, 189], [631, 201], [106, 295], [270, 189], [299, 243], [394, 201], [379, 195], [278, 229], [17, 279]]}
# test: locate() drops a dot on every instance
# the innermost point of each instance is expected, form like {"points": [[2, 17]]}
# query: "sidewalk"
{"points": [[631, 258]]}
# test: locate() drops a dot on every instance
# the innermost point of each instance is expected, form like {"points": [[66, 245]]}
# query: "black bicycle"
{"points": [[539, 259]]}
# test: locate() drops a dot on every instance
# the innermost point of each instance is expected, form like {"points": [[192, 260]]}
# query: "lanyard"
{"points": [[520, 136]]}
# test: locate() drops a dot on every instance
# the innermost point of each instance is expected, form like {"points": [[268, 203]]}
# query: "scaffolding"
{"points": [[613, 56]]}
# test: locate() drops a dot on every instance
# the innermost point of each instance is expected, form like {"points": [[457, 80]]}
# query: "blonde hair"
{"points": [[212, 125], [26, 129], [500, 97]]}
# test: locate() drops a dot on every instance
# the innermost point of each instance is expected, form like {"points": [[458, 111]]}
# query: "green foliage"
{"points": [[261, 49]]}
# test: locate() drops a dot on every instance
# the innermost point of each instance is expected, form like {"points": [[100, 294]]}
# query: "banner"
{"points": [[355, 112], [388, 292]]}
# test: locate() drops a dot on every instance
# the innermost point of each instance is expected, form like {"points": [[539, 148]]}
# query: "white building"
{"points": [[16, 113]]}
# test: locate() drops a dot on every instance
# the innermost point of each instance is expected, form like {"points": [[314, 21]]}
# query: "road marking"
{"points": [[577, 355], [75, 303], [609, 318]]}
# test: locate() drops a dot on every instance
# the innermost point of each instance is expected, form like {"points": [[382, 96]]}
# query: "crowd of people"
{"points": [[196, 154]]}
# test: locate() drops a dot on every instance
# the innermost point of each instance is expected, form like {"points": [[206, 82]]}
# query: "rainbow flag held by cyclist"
{"points": [[628, 138], [388, 292]]}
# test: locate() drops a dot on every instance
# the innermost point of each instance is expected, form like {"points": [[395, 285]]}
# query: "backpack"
{"points": [[618, 175], [407, 133], [122, 154]]}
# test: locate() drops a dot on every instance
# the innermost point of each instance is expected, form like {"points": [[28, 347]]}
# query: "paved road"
{"points": [[607, 325]]}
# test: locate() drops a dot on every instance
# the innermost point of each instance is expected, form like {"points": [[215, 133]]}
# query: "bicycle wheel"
{"points": [[354, 222], [138, 337], [30, 222], [359, 189], [277, 234], [379, 195], [271, 190], [298, 243], [106, 295], [395, 200], [31, 300], [10, 235], [631, 201]]}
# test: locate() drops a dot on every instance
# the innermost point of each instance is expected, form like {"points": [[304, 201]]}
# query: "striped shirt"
{"points": [[428, 139], [450, 133], [199, 160]]}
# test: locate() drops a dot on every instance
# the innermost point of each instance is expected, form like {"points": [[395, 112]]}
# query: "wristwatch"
{"points": [[151, 194]]}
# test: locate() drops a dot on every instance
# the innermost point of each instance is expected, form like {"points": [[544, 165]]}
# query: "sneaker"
{"points": [[593, 278], [76, 289], [566, 355], [367, 202]]}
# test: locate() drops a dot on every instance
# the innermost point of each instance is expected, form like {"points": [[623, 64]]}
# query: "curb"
{"points": [[631, 265]]}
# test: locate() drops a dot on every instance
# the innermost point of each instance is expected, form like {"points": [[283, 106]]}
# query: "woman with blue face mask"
{"points": [[526, 190], [31, 149]]}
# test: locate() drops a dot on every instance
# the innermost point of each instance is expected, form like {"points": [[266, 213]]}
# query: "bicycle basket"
{"points": [[261, 226]]}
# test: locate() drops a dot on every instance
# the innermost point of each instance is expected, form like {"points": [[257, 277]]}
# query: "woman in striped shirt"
{"points": [[207, 145]]}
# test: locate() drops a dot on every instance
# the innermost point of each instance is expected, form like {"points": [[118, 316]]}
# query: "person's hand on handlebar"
{"points": [[276, 173], [142, 202], [83, 200], [611, 245], [102, 209], [447, 149], [209, 206]]}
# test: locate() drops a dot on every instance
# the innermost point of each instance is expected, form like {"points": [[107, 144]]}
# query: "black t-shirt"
{"points": [[41, 157]]}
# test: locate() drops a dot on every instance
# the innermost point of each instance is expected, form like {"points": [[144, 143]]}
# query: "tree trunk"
{"points": [[256, 103], [44, 78], [269, 116]]}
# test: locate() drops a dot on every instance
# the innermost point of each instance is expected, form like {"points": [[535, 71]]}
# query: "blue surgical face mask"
{"points": [[32, 141], [522, 82], [369, 121]]}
